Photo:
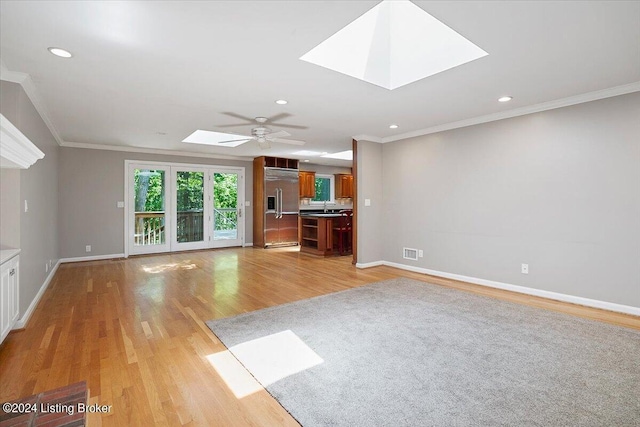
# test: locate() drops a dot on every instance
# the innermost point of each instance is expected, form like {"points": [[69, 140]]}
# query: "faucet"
{"points": [[325, 206]]}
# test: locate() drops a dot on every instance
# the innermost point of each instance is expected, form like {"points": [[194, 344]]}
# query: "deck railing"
{"points": [[150, 226]]}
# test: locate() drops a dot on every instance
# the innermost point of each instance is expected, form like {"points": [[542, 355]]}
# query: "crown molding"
{"points": [[174, 153], [551, 105], [30, 89], [371, 138]]}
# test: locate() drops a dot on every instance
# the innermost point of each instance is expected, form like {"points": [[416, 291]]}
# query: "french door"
{"points": [[175, 207]]}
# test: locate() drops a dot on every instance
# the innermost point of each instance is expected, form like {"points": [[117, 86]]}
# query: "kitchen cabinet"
{"points": [[315, 234], [261, 200], [9, 309], [344, 186], [307, 182]]}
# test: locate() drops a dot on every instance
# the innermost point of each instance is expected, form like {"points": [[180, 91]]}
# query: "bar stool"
{"points": [[342, 226]]}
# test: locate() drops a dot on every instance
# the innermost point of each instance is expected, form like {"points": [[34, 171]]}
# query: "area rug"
{"points": [[404, 352]]}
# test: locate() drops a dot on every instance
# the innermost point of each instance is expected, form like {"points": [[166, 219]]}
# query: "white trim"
{"points": [[246, 245], [17, 150], [558, 103], [128, 149], [369, 264], [635, 311], [30, 89], [91, 258], [22, 322], [370, 138]]}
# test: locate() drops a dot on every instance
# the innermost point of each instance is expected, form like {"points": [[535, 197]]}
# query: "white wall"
{"points": [[559, 190]]}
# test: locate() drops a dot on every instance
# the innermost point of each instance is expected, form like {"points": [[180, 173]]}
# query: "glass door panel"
{"points": [[148, 218], [189, 209], [227, 224]]}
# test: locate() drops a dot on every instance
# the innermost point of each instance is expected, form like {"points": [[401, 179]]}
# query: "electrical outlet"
{"points": [[420, 253], [525, 268], [87, 248]]}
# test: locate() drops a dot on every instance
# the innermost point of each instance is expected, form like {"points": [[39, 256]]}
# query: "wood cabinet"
{"points": [[315, 235], [307, 182], [9, 310], [259, 198], [344, 186]]}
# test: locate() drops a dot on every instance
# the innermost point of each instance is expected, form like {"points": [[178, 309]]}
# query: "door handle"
{"points": [[239, 212]]}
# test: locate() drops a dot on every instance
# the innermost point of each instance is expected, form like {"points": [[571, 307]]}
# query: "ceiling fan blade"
{"points": [[279, 134], [249, 138], [288, 141], [233, 125], [278, 117], [282, 125], [238, 116]]}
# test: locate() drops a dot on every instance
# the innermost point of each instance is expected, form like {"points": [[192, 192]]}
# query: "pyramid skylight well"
{"points": [[392, 45]]}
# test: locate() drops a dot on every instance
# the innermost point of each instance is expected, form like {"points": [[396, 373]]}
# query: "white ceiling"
{"points": [[144, 68]]}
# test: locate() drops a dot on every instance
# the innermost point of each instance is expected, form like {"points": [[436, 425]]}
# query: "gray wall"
{"points": [[39, 186], [9, 208], [370, 218], [559, 190], [92, 182]]}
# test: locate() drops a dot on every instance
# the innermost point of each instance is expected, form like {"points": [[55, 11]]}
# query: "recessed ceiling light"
{"points": [[393, 126], [281, 102], [60, 52], [505, 99]]}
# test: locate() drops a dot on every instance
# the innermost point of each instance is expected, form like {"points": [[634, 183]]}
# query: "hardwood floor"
{"points": [[134, 330]]}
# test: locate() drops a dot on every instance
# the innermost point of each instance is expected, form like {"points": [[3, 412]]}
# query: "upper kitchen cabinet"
{"points": [[344, 186], [307, 182]]}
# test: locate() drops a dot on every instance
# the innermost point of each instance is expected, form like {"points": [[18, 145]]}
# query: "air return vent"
{"points": [[408, 253]]}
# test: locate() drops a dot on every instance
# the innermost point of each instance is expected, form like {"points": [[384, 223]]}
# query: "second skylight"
{"points": [[394, 44]]}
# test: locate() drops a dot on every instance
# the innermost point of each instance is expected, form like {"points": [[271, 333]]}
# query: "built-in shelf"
{"points": [[16, 150]]}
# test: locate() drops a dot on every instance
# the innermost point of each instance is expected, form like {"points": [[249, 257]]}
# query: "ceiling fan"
{"points": [[263, 134]]}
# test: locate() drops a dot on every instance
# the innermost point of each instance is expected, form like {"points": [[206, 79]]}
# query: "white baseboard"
{"points": [[247, 244], [22, 322], [369, 264], [514, 288], [91, 258]]}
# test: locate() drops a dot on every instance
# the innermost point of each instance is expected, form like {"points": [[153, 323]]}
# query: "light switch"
{"points": [[247, 203], [367, 202], [120, 204]]}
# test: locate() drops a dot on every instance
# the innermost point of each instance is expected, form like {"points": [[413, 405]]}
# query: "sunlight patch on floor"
{"points": [[267, 360], [161, 268]]}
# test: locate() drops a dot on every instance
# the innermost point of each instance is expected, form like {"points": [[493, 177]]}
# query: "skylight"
{"points": [[394, 44], [215, 138], [342, 155]]}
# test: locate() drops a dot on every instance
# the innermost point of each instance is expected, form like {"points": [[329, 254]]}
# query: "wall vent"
{"points": [[408, 253]]}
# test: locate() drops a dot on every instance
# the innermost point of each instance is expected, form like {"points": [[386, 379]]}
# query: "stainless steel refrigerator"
{"points": [[281, 207]]}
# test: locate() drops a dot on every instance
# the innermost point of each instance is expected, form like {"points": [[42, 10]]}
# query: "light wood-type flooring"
{"points": [[134, 330]]}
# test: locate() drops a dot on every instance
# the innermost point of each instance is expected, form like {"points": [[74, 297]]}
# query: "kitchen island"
{"points": [[315, 233]]}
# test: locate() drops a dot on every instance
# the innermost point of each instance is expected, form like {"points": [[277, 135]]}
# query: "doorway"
{"points": [[176, 207]]}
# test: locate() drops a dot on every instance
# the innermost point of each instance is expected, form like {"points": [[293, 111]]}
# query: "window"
{"points": [[324, 189]]}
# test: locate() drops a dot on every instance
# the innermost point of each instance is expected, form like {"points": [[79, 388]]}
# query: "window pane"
{"points": [[149, 207], [225, 206], [190, 205], [323, 190]]}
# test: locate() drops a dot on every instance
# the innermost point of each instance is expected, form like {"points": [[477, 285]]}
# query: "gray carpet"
{"points": [[403, 352]]}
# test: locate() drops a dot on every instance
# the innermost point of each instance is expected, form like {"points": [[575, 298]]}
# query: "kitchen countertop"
{"points": [[321, 215], [8, 253]]}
